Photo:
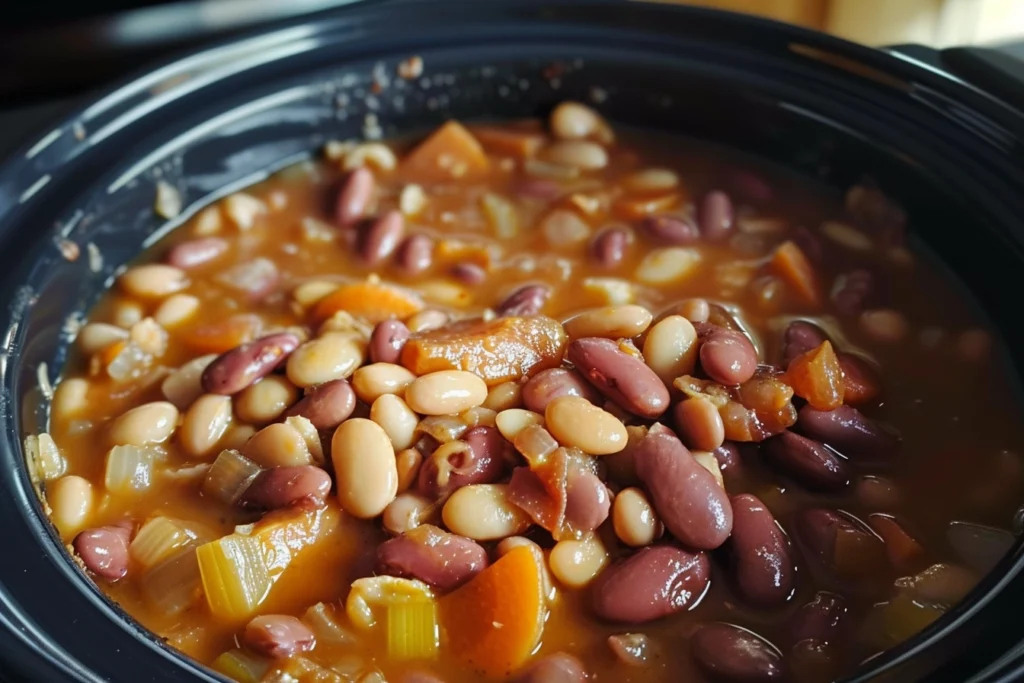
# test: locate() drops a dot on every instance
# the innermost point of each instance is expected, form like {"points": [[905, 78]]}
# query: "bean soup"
{"points": [[537, 401]]}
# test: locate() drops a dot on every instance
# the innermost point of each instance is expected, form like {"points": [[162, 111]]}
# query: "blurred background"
{"points": [[53, 54]]}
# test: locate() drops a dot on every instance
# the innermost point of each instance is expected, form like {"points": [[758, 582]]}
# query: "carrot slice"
{"points": [[495, 621], [901, 547], [521, 144], [372, 301], [223, 335], [817, 376], [450, 152], [792, 265]]}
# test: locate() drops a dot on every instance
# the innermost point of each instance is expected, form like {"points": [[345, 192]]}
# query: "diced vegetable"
{"points": [[634, 208], [229, 476], [368, 595], [501, 215], [130, 469], [412, 630], [223, 335], [174, 585], [817, 377], [325, 623], [899, 619], [790, 263], [494, 622], [901, 547], [521, 144], [158, 539], [450, 152], [235, 575], [858, 554], [241, 666], [373, 301], [44, 458]]}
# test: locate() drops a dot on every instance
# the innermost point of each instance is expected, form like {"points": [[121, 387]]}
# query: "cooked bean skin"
{"points": [[848, 431], [387, 341], [650, 584], [305, 485], [279, 636], [727, 356], [104, 551], [762, 563], [619, 376], [734, 655], [237, 369], [528, 300], [443, 560], [809, 462], [326, 405]]}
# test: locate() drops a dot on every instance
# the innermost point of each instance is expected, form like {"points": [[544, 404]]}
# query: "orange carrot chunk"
{"points": [[901, 547], [817, 377], [521, 144], [223, 335], [494, 622], [372, 301], [793, 267], [451, 152]]}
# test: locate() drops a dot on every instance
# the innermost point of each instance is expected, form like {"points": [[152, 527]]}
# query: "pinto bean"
{"points": [[387, 340], [238, 368], [547, 385], [821, 620], [483, 461], [104, 551], [715, 216], [354, 197], [761, 561], [650, 584], [280, 487], [556, 668], [587, 501], [686, 496], [621, 377], [700, 424], [813, 464], [278, 636], [734, 655], [670, 229], [727, 356], [528, 300], [326, 405], [435, 557], [848, 431], [379, 238], [609, 246], [195, 253], [415, 255]]}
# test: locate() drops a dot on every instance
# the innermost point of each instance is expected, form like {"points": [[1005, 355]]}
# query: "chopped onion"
{"points": [[325, 624], [229, 476], [158, 539], [444, 428], [44, 459], [501, 215], [255, 278], [174, 585], [980, 547], [310, 435], [241, 666], [130, 469], [129, 363], [536, 444]]}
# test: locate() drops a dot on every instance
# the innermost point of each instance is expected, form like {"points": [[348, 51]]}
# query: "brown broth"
{"points": [[956, 415]]}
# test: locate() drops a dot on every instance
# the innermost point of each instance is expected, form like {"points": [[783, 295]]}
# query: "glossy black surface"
{"points": [[951, 154]]}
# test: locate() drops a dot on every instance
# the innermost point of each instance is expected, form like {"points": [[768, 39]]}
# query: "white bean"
{"points": [[153, 281], [335, 355], [377, 379], [176, 309], [612, 322], [670, 348], [578, 423], [484, 512], [184, 385], [634, 519], [364, 467], [266, 400], [70, 499], [205, 424], [145, 424], [447, 392], [576, 563], [278, 445], [397, 420]]}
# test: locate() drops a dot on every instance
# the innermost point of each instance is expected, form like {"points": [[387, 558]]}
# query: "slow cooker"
{"points": [[76, 204]]}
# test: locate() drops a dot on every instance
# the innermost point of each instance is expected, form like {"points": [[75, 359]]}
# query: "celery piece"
{"points": [[229, 476], [158, 539], [234, 574], [323, 619], [172, 586], [130, 469], [412, 628], [240, 666]]}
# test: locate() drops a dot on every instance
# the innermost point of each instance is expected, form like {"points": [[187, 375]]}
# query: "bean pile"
{"points": [[535, 402]]}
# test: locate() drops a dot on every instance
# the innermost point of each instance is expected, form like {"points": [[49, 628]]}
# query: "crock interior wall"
{"points": [[800, 114]]}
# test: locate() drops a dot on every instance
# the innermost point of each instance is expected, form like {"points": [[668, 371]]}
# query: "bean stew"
{"points": [[539, 401]]}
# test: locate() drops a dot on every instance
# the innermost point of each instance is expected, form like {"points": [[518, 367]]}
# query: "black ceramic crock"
{"points": [[951, 153]]}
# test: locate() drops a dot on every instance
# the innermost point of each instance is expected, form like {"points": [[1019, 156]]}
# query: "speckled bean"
{"points": [[650, 584], [621, 377], [364, 467], [326, 405], [280, 487], [240, 367], [435, 557]]}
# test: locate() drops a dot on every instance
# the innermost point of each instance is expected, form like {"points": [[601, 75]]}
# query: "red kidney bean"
{"points": [[482, 463], [326, 405], [729, 458], [278, 636], [726, 356], [435, 557], [387, 340], [817, 530], [799, 338], [670, 229], [820, 620], [852, 291], [620, 376], [715, 216], [194, 253], [761, 560], [547, 385], [687, 497], [380, 237], [104, 550], [700, 424], [650, 584], [587, 501], [527, 300], [556, 668], [415, 254], [240, 367], [731, 654], [354, 197], [302, 486], [814, 465], [610, 245], [468, 273], [848, 431]]}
